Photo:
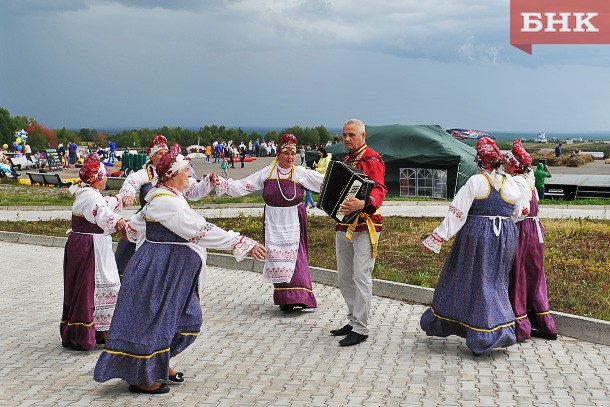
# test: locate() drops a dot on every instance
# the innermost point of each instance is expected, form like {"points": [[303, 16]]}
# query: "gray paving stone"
{"points": [[251, 354]]}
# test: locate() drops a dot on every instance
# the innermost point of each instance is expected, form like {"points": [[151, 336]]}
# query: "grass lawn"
{"points": [[576, 260]]}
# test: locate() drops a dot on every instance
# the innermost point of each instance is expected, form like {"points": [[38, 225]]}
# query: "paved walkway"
{"points": [[251, 354]]}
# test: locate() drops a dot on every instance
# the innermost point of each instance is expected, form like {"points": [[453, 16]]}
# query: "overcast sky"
{"points": [[102, 63]]}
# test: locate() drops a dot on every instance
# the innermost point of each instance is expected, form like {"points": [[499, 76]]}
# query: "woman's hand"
{"points": [[120, 228], [258, 252], [425, 249], [128, 200]]}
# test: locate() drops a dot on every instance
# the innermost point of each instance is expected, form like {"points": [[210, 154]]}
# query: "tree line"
{"points": [[41, 137]]}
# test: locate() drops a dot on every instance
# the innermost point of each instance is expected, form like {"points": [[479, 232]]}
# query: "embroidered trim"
{"points": [[77, 323], [292, 288], [112, 352], [495, 328]]}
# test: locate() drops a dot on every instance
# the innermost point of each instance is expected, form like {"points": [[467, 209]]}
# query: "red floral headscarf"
{"points": [[157, 143], [171, 164], [519, 159], [287, 142], [92, 170], [488, 155]]}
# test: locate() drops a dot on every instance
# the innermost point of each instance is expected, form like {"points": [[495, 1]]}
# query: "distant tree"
{"points": [[40, 138], [6, 128]]}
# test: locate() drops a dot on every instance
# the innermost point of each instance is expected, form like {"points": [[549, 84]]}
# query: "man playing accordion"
{"points": [[356, 243]]}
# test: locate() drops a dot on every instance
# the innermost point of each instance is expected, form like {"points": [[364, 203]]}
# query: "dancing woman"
{"points": [[139, 183], [91, 280], [283, 184], [471, 297], [158, 314], [527, 288]]}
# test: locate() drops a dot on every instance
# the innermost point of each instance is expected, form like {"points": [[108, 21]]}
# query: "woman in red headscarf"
{"points": [[158, 313], [527, 290], [471, 296], [91, 280], [139, 183], [283, 184]]}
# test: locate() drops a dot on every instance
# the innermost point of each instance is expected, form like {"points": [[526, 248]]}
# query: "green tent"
{"points": [[421, 160]]}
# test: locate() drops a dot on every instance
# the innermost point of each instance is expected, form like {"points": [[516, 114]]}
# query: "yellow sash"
{"points": [[370, 226]]}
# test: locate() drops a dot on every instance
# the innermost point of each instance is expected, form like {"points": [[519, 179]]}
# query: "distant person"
{"points": [[43, 168], [558, 150], [224, 165], [111, 152], [61, 153], [302, 154], [208, 153], [541, 172], [72, 153], [242, 154]]}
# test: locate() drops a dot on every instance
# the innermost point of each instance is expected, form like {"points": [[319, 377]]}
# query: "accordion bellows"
{"points": [[341, 182]]}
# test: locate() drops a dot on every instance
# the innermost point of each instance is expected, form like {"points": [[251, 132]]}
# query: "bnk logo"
{"points": [[559, 22]]}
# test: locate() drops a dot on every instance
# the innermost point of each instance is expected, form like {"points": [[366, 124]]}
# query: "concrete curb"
{"points": [[574, 326]]}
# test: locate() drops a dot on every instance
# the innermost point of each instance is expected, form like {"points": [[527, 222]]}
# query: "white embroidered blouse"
{"points": [[169, 207], [310, 179], [135, 180], [477, 187], [98, 209]]}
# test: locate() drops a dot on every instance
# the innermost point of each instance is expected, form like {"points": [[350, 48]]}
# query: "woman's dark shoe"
{"points": [[178, 377], [476, 355], [538, 334], [342, 331], [162, 389], [101, 341], [287, 308], [72, 346]]}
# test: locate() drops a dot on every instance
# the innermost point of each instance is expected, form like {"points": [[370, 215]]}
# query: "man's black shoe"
{"points": [[352, 339], [342, 331]]}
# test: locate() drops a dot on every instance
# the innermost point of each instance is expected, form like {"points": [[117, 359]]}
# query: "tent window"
{"points": [[423, 182]]}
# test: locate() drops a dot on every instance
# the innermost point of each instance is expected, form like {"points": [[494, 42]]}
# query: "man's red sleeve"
{"points": [[375, 170]]}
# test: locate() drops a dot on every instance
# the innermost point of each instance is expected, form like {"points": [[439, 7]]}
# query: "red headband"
{"points": [[92, 170], [519, 159], [171, 164], [488, 153]]}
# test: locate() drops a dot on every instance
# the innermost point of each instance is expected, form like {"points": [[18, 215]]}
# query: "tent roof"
{"points": [[422, 144]]}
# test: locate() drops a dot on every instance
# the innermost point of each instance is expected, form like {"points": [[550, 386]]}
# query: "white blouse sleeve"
{"points": [[197, 190], [115, 202], [515, 192], [133, 183], [175, 214], [99, 212], [136, 227], [525, 191], [310, 179], [456, 216], [244, 186]]}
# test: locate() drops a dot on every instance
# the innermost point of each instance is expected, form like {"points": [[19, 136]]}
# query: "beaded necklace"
{"points": [[279, 185]]}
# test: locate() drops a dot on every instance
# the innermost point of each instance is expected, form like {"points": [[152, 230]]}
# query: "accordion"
{"points": [[341, 182]]}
